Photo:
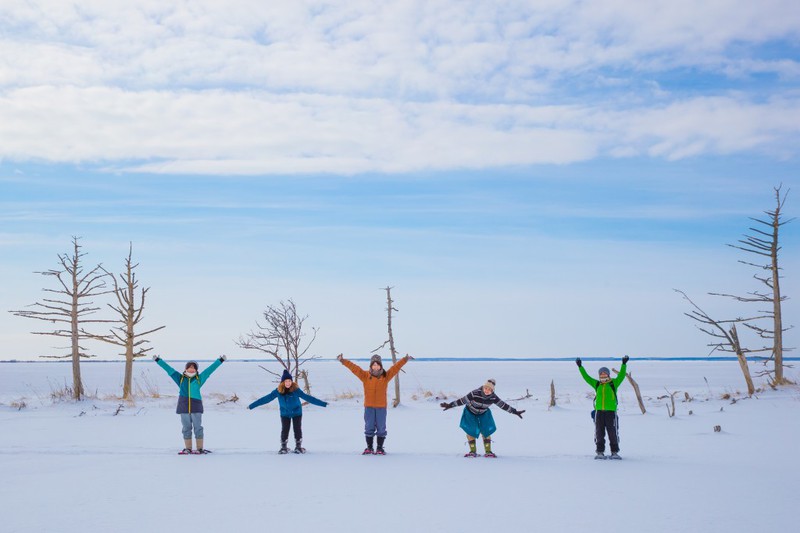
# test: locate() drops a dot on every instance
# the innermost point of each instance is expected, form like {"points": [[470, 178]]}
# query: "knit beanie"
{"points": [[603, 370], [490, 383], [286, 375], [191, 363], [375, 359]]}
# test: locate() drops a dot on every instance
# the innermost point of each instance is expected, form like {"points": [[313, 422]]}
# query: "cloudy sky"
{"points": [[532, 178]]}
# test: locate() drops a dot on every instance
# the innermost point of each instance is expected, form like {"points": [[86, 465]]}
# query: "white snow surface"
{"points": [[76, 466]]}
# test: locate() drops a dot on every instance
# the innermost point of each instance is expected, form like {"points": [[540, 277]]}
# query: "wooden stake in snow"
{"points": [[552, 393]]}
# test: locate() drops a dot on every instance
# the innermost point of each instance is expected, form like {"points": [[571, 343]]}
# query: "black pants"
{"points": [[297, 422], [606, 422]]}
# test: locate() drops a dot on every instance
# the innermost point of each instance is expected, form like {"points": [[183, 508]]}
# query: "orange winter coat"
{"points": [[375, 388]]}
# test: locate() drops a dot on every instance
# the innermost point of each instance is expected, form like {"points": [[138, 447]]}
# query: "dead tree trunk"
{"points": [[389, 309], [70, 307], [765, 245], [552, 393], [742, 361], [130, 315], [635, 389]]}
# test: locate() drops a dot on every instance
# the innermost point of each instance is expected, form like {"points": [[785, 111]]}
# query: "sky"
{"points": [[533, 179]]}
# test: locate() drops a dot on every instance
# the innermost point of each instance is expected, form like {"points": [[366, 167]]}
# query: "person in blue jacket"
{"points": [[289, 396], [190, 402]]}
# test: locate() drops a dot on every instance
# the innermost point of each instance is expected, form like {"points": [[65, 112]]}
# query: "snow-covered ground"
{"points": [[70, 466]]}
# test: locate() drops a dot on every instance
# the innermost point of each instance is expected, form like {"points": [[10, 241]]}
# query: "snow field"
{"points": [[65, 472]]}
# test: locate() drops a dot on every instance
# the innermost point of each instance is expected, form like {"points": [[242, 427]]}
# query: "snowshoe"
{"points": [[368, 451], [283, 451], [299, 449], [380, 451], [599, 455], [185, 451], [615, 456], [490, 454], [201, 452], [470, 454]]}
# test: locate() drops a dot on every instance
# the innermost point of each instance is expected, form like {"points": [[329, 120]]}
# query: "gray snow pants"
{"points": [[192, 420]]}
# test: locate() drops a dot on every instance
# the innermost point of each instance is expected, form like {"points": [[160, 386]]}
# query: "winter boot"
{"points": [[369, 450], [472, 449], [298, 447], [380, 450], [487, 447], [284, 448], [599, 455], [614, 455]]}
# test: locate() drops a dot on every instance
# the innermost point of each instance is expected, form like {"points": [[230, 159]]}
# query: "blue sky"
{"points": [[533, 178]]}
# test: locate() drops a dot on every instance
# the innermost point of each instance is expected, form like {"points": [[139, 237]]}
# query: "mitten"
{"points": [[625, 359], [578, 362]]}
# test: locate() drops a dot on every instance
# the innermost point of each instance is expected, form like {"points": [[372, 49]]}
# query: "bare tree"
{"points": [[727, 340], [281, 336], [636, 390], [70, 307], [390, 341], [130, 315], [763, 242]]}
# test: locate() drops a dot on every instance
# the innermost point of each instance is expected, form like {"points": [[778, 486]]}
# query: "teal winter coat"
{"points": [[189, 398]]}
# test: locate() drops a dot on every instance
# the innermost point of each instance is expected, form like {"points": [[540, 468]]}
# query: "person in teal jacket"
{"points": [[190, 402], [291, 409], [605, 407]]}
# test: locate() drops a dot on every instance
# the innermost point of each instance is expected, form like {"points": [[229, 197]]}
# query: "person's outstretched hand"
{"points": [[340, 357], [625, 359], [156, 358], [519, 413], [445, 406], [578, 361]]}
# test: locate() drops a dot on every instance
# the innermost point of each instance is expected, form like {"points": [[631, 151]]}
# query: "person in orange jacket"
{"points": [[376, 381]]}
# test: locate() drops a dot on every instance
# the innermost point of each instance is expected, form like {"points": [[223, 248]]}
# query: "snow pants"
{"points": [[192, 420], [606, 422], [297, 422], [375, 421], [474, 425]]}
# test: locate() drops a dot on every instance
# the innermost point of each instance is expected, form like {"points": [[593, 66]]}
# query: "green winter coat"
{"points": [[606, 399]]}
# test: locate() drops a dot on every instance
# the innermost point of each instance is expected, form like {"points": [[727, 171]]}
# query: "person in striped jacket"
{"points": [[477, 419]]}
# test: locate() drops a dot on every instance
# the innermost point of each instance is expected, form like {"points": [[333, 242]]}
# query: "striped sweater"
{"points": [[478, 402]]}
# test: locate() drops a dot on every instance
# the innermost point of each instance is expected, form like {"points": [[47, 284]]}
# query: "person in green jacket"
{"points": [[190, 402], [605, 405]]}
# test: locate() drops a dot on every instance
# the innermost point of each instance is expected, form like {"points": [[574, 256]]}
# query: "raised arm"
{"points": [[264, 399], [587, 378], [211, 368], [311, 399], [623, 370], [392, 372], [171, 372], [359, 372]]}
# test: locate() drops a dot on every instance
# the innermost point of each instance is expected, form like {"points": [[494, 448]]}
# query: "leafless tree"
{"points": [[130, 316], [390, 341], [763, 242], [727, 339], [636, 390], [281, 336], [71, 306]]}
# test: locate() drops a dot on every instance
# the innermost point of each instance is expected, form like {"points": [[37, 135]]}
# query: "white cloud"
{"points": [[251, 87]]}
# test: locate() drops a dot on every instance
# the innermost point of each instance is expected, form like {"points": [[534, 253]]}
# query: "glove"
{"points": [[223, 358], [156, 358], [519, 413], [445, 406], [625, 359], [410, 358], [578, 362], [340, 357]]}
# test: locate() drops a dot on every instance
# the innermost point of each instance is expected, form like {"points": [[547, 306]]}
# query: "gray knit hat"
{"points": [[375, 359], [603, 370]]}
